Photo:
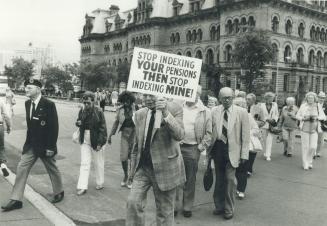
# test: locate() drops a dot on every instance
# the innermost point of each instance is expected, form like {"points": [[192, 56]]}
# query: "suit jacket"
{"points": [[238, 132], [165, 151], [274, 114], [42, 129]]}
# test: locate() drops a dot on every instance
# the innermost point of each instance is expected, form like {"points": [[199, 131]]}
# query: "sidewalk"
{"points": [[27, 216]]}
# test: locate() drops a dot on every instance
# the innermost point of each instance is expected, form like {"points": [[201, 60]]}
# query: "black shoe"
{"points": [[175, 213], [285, 153], [58, 198], [289, 155], [5, 172], [187, 213], [12, 205], [228, 216], [218, 212]]}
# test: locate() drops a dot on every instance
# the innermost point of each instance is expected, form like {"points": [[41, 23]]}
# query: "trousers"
{"points": [[23, 169], [2, 145], [268, 138], [288, 138], [309, 146]]}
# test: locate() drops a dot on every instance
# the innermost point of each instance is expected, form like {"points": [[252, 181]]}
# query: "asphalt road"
{"points": [[278, 193]]}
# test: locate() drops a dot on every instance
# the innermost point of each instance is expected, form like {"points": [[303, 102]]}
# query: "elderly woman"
{"points": [[310, 114], [288, 123], [124, 124], [10, 102], [93, 136], [321, 101], [270, 116], [243, 170]]}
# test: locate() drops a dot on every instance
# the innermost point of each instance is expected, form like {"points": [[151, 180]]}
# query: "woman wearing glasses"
{"points": [[93, 137]]}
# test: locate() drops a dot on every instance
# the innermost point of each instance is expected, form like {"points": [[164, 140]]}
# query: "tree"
{"points": [[213, 71], [123, 72], [56, 76], [20, 71], [252, 51]]}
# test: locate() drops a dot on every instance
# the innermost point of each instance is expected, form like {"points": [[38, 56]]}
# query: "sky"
{"points": [[58, 23]]}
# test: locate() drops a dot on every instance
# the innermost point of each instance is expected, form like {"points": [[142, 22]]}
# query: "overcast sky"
{"points": [[58, 23]]}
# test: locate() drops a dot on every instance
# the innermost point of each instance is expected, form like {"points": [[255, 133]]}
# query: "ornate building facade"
{"points": [[207, 29]]}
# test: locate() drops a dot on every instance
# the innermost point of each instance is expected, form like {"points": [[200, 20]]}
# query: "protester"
{"points": [[156, 161], [5, 124], [97, 97], [124, 124], [212, 102], [254, 146], [198, 129], [114, 98], [270, 113], [288, 123], [321, 101], [10, 102], [255, 109], [41, 142], [230, 140], [103, 97], [309, 115], [93, 137]]}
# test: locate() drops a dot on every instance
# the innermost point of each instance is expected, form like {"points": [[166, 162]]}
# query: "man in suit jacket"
{"points": [[156, 161], [41, 142], [230, 140]]}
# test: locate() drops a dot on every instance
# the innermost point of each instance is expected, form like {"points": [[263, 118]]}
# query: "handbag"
{"points": [[208, 177], [75, 137]]}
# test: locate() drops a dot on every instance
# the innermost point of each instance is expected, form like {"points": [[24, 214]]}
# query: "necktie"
{"points": [[33, 109], [149, 134], [224, 136]]}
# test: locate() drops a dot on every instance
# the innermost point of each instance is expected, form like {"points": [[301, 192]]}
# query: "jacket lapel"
{"points": [[142, 128], [232, 119], [28, 110]]}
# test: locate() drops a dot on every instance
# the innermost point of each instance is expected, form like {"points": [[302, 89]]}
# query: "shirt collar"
{"points": [[37, 100]]}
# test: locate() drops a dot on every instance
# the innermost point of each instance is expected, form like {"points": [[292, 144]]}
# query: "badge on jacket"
{"points": [[42, 123]]}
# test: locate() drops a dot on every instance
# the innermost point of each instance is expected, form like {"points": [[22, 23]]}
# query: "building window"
{"points": [[275, 24], [213, 33], [275, 52], [172, 39], [287, 54], [228, 53], [311, 58], [317, 35], [243, 24], [198, 54], [322, 35], [286, 83], [317, 84], [199, 35], [301, 30], [209, 57], [176, 7], [288, 27], [194, 35], [325, 60], [229, 27], [236, 26], [319, 59], [195, 6], [189, 36], [251, 23], [274, 80], [189, 54], [312, 33], [300, 56], [149, 39], [179, 53]]}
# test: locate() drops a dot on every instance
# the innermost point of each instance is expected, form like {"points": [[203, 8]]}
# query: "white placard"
{"points": [[164, 74]]}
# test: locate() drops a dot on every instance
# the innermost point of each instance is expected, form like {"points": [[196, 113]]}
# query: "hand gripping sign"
{"points": [[163, 74]]}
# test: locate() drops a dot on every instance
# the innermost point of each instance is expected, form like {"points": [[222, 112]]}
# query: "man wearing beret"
{"points": [[41, 142]]}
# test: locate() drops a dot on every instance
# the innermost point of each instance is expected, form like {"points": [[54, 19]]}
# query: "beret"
{"points": [[32, 81]]}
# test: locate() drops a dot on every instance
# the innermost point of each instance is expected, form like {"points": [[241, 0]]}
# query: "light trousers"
{"points": [[321, 141], [309, 146], [86, 158], [268, 138], [288, 139]]}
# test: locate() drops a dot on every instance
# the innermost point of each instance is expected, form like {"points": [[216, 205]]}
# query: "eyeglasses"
{"points": [[227, 98], [87, 102]]}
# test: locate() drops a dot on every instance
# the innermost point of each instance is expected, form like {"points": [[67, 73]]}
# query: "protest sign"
{"points": [[164, 74]]}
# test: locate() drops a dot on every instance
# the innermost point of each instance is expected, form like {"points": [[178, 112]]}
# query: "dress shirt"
{"points": [[220, 123], [36, 102], [189, 117]]}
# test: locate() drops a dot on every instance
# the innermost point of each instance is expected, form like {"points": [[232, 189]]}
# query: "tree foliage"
{"points": [[252, 51], [20, 71], [213, 71], [57, 76]]}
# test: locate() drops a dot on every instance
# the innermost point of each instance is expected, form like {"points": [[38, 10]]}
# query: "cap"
{"points": [[32, 81], [322, 94]]}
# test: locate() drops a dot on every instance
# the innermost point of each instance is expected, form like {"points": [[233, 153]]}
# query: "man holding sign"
{"points": [[156, 161]]}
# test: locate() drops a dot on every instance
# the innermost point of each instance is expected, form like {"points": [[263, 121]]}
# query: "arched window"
{"points": [[133, 42], [188, 36], [319, 59], [189, 54], [312, 33], [317, 34], [236, 26], [322, 35], [137, 41], [288, 27], [179, 53], [209, 56], [325, 60], [275, 24], [125, 60], [119, 61], [243, 24], [172, 38], [218, 58], [287, 54], [198, 54], [177, 38], [251, 23], [229, 27], [228, 53], [300, 56], [218, 33], [114, 62], [149, 39], [194, 35], [126, 45], [199, 35], [301, 30], [131, 58], [109, 62], [311, 58], [213, 33], [275, 52]]}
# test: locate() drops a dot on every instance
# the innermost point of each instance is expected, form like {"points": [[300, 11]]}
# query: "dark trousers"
{"points": [[252, 156], [241, 172], [225, 187]]}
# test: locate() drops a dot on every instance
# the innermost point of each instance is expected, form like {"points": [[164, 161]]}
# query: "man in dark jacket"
{"points": [[41, 142]]}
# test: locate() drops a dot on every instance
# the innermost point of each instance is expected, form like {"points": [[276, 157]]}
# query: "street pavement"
{"points": [[280, 192]]}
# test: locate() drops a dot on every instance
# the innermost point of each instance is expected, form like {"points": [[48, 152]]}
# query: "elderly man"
{"points": [[41, 142], [198, 128], [156, 161], [321, 101], [230, 140]]}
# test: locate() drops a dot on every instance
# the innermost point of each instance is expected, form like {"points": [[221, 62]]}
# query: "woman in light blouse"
{"points": [[310, 114]]}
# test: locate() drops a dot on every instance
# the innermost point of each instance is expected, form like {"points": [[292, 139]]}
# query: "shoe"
{"points": [[228, 216], [285, 153], [289, 155], [310, 167], [318, 155], [187, 214], [249, 174], [81, 192], [129, 184], [241, 195], [237, 192], [124, 182], [12, 205], [175, 213], [99, 187], [218, 212], [305, 168], [268, 159], [58, 197]]}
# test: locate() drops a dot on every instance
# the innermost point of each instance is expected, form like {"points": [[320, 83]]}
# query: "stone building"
{"points": [[207, 29]]}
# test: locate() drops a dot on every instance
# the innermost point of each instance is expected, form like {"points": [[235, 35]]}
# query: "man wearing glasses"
{"points": [[41, 142], [230, 140]]}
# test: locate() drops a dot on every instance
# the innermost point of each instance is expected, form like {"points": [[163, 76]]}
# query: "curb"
{"points": [[51, 213]]}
